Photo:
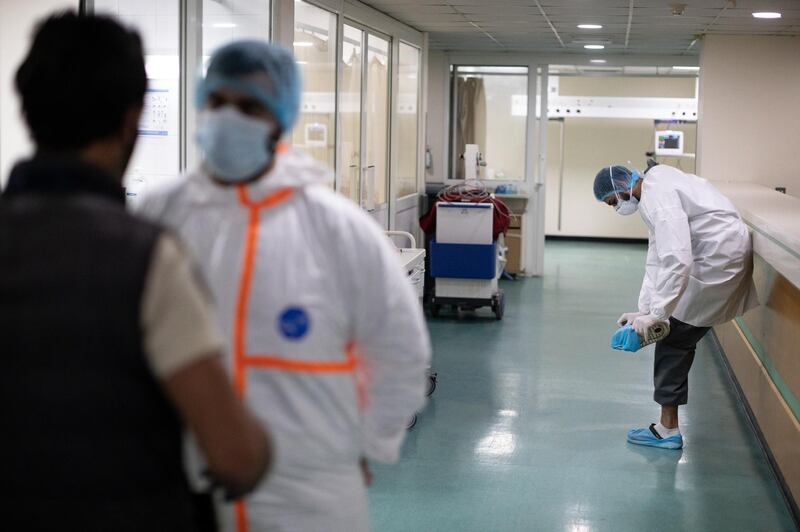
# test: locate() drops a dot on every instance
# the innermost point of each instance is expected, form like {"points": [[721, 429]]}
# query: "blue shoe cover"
{"points": [[626, 339], [649, 437]]}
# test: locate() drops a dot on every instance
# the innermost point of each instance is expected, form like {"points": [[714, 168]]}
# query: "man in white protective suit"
{"points": [[326, 338], [698, 274]]}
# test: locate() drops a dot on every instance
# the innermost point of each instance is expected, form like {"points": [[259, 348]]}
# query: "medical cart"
{"points": [[465, 262]]}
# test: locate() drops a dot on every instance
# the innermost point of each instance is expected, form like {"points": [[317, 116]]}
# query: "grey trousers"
{"points": [[674, 357]]}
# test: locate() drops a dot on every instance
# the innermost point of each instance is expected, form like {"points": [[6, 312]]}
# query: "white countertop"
{"points": [[776, 214], [517, 195], [775, 220]]}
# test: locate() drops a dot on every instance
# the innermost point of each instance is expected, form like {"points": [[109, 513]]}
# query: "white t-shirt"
{"points": [[177, 317]]}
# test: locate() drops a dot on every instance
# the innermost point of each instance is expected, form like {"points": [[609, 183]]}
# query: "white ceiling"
{"points": [[638, 27]]}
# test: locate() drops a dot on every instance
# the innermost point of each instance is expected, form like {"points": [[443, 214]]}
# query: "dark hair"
{"points": [[81, 75]]}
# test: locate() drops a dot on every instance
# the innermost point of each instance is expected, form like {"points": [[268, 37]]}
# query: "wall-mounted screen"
{"points": [[669, 142]]}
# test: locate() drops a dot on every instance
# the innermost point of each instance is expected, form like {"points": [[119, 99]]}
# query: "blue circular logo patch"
{"points": [[294, 323]]}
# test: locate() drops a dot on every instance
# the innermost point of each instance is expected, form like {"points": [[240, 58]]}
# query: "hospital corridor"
{"points": [[399, 265], [523, 431]]}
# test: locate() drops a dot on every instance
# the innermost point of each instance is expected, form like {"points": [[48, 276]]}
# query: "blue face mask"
{"points": [[235, 145]]}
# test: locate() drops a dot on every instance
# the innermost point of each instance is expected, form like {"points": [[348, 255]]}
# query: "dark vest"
{"points": [[88, 440]]}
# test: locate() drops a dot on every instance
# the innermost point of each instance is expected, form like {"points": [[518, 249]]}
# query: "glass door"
{"points": [[407, 109], [376, 170], [364, 112], [350, 97]]}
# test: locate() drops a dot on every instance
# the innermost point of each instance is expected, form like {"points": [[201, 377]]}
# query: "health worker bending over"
{"points": [[698, 274], [326, 338]]}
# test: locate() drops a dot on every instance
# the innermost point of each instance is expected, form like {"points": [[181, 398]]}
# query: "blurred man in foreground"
{"points": [[110, 345]]}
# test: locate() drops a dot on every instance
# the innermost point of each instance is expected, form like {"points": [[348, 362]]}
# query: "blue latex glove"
{"points": [[626, 339]]}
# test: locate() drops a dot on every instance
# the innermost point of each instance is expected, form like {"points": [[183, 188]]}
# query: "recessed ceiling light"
{"points": [[598, 61], [693, 68], [301, 62], [767, 14], [303, 44], [593, 46], [590, 26]]}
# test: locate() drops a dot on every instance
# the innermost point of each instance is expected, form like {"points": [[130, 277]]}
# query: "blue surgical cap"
{"points": [[613, 180], [263, 70]]}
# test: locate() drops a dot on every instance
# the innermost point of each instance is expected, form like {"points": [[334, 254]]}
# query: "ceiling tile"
{"points": [[509, 25]]}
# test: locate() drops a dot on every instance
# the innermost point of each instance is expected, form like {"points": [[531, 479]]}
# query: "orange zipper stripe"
{"points": [[242, 361]]}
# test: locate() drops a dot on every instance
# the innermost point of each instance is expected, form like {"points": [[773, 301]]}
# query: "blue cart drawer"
{"points": [[463, 261]]}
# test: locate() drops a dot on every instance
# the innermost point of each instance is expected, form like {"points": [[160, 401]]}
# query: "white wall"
{"points": [[589, 145], [750, 110], [17, 20]]}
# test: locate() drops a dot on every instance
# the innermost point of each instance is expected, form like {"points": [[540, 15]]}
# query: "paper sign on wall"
{"points": [[155, 113]]}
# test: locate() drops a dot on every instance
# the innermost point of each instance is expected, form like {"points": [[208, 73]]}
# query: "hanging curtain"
{"points": [[470, 117]]}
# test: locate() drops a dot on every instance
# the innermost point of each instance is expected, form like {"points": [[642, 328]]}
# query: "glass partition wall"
{"points": [[228, 21], [315, 35], [350, 59], [490, 109], [157, 155]]}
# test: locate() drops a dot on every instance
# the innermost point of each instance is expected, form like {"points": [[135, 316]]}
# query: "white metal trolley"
{"points": [[413, 260]]}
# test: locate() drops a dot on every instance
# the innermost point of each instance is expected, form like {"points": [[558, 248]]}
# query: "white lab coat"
{"points": [[699, 257], [317, 252]]}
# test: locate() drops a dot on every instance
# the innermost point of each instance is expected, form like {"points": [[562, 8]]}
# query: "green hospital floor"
{"points": [[526, 430]]}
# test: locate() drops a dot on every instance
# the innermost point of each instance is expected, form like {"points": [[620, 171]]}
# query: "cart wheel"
{"points": [[412, 423], [431, 384], [499, 305]]}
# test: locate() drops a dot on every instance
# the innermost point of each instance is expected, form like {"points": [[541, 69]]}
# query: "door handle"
{"points": [[352, 182], [369, 188]]}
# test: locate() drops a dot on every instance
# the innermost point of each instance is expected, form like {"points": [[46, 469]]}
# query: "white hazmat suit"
{"points": [[326, 336], [699, 258]]}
